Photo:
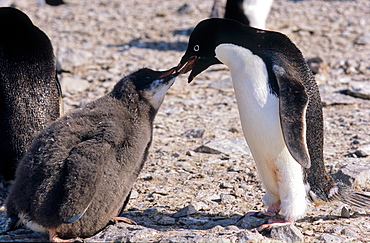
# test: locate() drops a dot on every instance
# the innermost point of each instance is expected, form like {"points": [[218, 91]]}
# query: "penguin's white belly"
{"points": [[281, 175]]}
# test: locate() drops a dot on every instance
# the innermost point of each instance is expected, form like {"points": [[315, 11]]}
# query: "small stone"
{"points": [[217, 229], [134, 194], [239, 192], [287, 233], [359, 90], [70, 58], [194, 133], [193, 221], [353, 173], [363, 39], [166, 220], [184, 237], [251, 222], [248, 236], [331, 96], [329, 238], [73, 85], [226, 185], [348, 232], [345, 213], [188, 210], [363, 151], [225, 146], [226, 198], [161, 191], [175, 155], [185, 9], [150, 212], [200, 205], [189, 153], [333, 229], [223, 222]]}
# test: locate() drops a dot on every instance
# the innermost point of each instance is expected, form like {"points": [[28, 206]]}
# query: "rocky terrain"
{"points": [[200, 179]]}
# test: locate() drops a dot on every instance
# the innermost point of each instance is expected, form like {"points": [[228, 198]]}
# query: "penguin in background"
{"points": [[249, 12], [50, 2], [280, 111], [30, 94], [78, 173]]}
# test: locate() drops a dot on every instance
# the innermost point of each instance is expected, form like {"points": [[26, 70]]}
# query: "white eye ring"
{"points": [[196, 48]]}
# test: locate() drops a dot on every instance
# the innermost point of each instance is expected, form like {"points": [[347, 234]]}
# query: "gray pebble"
{"points": [[194, 133], [251, 222], [363, 151], [287, 233], [188, 210], [329, 238], [166, 220]]}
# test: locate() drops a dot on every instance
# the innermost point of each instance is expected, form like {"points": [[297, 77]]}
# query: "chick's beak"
{"points": [[169, 72]]}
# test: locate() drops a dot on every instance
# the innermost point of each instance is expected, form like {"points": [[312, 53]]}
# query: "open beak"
{"points": [[187, 66]]}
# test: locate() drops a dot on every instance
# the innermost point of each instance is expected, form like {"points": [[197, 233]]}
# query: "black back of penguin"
{"points": [[281, 58], [234, 10], [30, 95], [89, 159]]}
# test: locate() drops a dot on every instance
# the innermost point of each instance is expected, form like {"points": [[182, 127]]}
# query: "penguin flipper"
{"points": [[84, 172], [293, 101], [76, 217]]}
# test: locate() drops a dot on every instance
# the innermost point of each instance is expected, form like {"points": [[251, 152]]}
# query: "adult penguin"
{"points": [[280, 111], [30, 94], [249, 12]]}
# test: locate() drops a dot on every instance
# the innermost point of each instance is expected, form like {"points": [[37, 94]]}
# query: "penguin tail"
{"points": [[347, 195], [343, 193]]}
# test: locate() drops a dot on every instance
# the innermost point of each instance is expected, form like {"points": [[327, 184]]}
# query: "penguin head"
{"points": [[149, 85], [14, 21], [209, 34]]}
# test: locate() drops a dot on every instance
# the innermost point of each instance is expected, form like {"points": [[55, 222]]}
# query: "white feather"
{"points": [[281, 175], [257, 12], [157, 92], [30, 224]]}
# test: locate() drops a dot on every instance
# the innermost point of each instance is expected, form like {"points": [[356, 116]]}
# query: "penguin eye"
{"points": [[146, 79], [196, 48]]}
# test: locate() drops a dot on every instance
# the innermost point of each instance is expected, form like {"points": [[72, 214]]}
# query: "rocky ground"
{"points": [[200, 179]]}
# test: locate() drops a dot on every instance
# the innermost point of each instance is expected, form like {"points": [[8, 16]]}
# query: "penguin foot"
{"points": [[115, 220], [273, 210], [53, 237], [271, 223]]}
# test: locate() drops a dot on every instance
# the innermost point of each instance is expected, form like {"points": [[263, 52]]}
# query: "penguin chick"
{"points": [[30, 94], [280, 110], [79, 171]]}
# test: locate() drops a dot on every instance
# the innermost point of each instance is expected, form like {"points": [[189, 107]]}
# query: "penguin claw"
{"points": [[272, 223], [53, 237], [115, 220]]}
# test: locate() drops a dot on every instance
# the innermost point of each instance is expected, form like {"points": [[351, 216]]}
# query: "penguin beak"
{"points": [[169, 72], [196, 64], [187, 65]]}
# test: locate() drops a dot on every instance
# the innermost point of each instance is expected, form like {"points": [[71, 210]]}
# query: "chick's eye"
{"points": [[146, 79], [196, 48]]}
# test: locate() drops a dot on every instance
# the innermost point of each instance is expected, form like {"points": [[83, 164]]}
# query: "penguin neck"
{"points": [[249, 74]]}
